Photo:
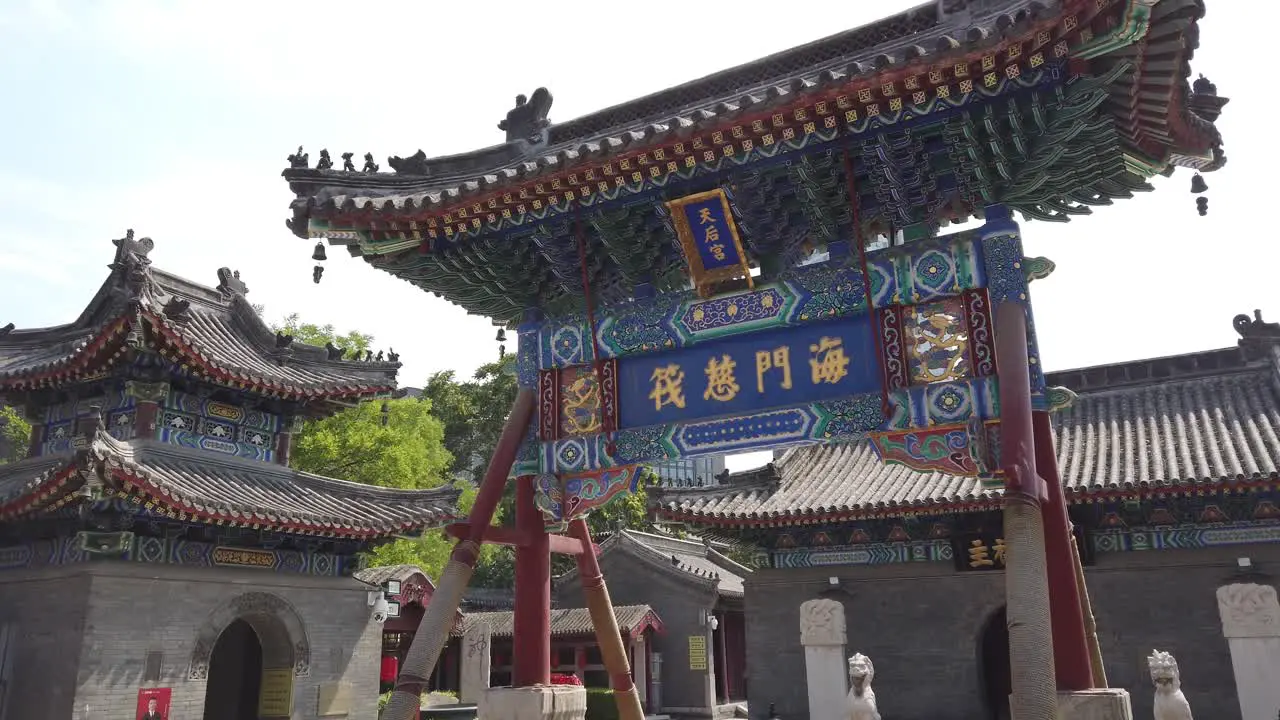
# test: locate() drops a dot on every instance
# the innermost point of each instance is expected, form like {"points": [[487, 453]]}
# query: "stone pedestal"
{"points": [[1251, 623], [1097, 704], [822, 633], [476, 659], [541, 702]]}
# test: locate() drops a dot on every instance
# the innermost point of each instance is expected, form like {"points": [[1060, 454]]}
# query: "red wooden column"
{"points": [[1070, 644], [532, 621]]}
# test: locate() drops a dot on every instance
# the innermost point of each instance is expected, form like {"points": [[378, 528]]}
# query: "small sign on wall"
{"points": [[276, 697], [697, 652], [153, 703], [987, 551]]}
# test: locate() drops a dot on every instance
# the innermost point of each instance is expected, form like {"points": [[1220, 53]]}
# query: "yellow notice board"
{"points": [[275, 700], [697, 652]]}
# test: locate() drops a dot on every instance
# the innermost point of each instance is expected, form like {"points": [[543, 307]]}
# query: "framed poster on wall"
{"points": [[153, 703]]}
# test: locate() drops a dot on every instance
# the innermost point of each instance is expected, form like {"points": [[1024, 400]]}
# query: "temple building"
{"points": [[698, 664], [1170, 469], [155, 546]]}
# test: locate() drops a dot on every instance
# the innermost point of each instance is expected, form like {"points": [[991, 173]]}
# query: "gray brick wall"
{"points": [[921, 625], [677, 604], [46, 614], [128, 610]]}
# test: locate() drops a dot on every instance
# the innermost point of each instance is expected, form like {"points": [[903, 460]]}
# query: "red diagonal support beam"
{"points": [[511, 536]]}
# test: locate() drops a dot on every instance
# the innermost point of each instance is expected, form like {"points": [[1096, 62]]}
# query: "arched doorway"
{"points": [[249, 651], [235, 674], [993, 664]]}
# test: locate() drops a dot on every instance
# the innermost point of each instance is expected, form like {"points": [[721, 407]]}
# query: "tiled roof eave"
{"points": [[1074, 496], [794, 93], [137, 483], [50, 487], [242, 377], [81, 359]]}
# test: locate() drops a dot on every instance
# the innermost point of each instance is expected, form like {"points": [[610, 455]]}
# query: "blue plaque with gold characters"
{"points": [[704, 223]]}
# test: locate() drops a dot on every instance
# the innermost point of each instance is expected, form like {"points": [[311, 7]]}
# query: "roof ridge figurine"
{"points": [[229, 282], [415, 164], [1254, 328], [528, 119]]}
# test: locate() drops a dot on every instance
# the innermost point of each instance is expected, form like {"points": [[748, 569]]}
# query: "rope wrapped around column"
{"points": [[605, 622], [441, 612], [1090, 625], [433, 633], [1035, 692]]}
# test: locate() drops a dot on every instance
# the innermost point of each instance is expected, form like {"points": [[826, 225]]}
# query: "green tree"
{"points": [[15, 433], [473, 412], [312, 334], [392, 443]]}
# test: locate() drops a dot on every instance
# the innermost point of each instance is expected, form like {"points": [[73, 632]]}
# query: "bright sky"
{"points": [[175, 118]]}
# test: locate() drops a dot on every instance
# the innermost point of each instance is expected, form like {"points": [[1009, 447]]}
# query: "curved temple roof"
{"points": [[213, 331], [694, 561], [1048, 107], [189, 484], [1149, 427], [565, 622]]}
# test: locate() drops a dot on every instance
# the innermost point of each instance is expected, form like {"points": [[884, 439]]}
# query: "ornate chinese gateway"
{"points": [[760, 258]]}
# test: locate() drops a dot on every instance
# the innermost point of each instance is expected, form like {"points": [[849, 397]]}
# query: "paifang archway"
{"points": [[275, 625]]}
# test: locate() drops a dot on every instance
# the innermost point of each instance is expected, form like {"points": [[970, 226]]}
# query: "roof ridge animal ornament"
{"points": [[1170, 703], [1255, 328], [862, 699], [528, 119]]}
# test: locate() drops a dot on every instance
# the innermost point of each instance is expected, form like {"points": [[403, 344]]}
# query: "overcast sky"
{"points": [[175, 118]]}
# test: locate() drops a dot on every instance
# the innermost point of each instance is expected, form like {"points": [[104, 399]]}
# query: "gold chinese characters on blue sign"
{"points": [[746, 374], [709, 236]]}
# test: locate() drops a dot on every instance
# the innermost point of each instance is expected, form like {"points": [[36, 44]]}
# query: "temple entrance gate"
{"points": [[235, 674], [993, 664], [249, 650], [764, 268]]}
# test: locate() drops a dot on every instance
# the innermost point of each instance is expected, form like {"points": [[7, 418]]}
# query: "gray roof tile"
{"points": [[564, 621], [691, 557], [234, 490], [219, 331]]}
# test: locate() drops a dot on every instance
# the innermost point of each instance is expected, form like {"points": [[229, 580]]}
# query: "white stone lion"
{"points": [[862, 699], [1170, 703]]}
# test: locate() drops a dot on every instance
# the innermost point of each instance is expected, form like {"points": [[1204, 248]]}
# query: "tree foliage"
{"points": [[15, 433], [473, 412], [312, 334], [400, 447], [394, 443]]}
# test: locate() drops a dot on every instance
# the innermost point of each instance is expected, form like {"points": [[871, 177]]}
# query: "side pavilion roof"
{"points": [[213, 331], [194, 485], [1137, 429], [692, 560]]}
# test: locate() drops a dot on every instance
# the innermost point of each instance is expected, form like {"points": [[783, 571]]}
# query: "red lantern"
{"points": [[390, 668]]}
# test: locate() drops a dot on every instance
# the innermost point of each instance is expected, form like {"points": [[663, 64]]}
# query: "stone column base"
{"points": [[1096, 704], [541, 702]]}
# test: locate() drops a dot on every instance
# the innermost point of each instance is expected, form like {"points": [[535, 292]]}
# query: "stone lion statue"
{"points": [[1170, 703], [862, 699]]}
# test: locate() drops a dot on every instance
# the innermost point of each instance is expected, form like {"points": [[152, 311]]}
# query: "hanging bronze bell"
{"points": [[1198, 184], [502, 335], [319, 254]]}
